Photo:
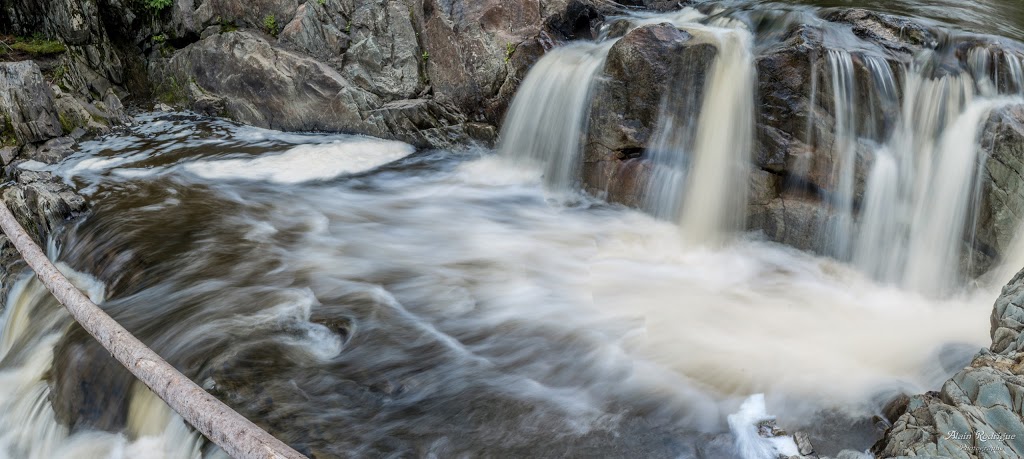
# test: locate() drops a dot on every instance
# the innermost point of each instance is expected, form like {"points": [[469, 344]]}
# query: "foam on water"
{"points": [[306, 162]]}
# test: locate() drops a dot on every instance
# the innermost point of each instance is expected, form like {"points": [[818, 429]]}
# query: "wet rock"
{"points": [[26, 104], [1002, 200], [470, 47], [978, 412], [893, 32], [793, 220], [638, 74], [54, 150], [42, 204]]}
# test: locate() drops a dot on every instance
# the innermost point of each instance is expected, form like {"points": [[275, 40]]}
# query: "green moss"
{"points": [[7, 137], [158, 39], [270, 24], [171, 92], [66, 123], [426, 56], [510, 48], [226, 26], [35, 46], [157, 5]]}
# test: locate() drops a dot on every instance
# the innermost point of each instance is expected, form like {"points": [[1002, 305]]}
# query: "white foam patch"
{"points": [[306, 162], [33, 165], [749, 443]]}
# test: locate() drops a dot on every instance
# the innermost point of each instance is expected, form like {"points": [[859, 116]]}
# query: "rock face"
{"points": [[240, 74], [977, 413], [628, 102], [26, 104], [1003, 183], [42, 204], [428, 72], [795, 181], [36, 116]]}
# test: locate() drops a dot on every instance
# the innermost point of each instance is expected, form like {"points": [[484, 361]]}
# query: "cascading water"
{"points": [[921, 186], [548, 117], [701, 158], [30, 326], [843, 152], [368, 300]]}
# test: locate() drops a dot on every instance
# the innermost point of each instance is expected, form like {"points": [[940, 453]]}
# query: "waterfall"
{"points": [[30, 326], [702, 158], [938, 226], [922, 190], [548, 117], [844, 152]]}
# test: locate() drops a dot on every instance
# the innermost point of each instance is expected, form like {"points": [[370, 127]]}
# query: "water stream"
{"points": [[357, 297]]}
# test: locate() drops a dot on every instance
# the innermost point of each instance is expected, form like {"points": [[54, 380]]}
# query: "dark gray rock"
{"points": [[627, 102], [384, 56], [1002, 200]]}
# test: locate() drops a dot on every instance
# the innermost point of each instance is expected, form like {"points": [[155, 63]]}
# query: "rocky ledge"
{"points": [[979, 412], [42, 204]]}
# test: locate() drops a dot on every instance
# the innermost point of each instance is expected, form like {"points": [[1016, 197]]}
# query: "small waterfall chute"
{"points": [[548, 118]]}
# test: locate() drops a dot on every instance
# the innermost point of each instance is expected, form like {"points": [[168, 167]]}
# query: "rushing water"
{"points": [[442, 304], [359, 298]]}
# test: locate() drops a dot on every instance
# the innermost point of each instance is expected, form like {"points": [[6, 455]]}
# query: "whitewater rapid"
{"points": [[595, 316]]}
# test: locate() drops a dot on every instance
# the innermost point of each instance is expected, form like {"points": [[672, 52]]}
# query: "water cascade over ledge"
{"points": [[807, 194], [900, 173]]}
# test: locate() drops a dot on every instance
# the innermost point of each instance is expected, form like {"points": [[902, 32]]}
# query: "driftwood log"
{"points": [[235, 434]]}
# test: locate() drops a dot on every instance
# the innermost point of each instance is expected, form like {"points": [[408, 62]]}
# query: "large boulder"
{"points": [[629, 99], [244, 76], [1002, 202]]}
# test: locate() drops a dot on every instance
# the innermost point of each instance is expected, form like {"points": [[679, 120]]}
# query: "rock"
{"points": [[803, 443], [54, 150], [26, 104], [384, 56], [638, 72], [42, 204], [627, 102], [1002, 201], [983, 399], [467, 45], [253, 13], [319, 30], [245, 77], [7, 154], [792, 219], [892, 32]]}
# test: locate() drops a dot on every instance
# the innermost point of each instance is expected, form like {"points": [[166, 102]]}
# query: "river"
{"points": [[359, 297]]}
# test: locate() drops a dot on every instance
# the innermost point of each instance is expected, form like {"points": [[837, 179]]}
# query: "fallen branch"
{"points": [[235, 434]]}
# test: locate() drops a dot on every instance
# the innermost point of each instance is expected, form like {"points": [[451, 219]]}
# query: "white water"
{"points": [[29, 328], [843, 152], [749, 442], [307, 162], [921, 189], [548, 118], [698, 171]]}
